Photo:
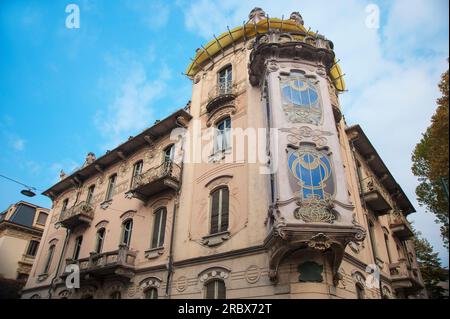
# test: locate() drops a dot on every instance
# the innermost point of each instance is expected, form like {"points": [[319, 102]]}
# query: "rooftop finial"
{"points": [[256, 15], [297, 17], [90, 158], [62, 175]]}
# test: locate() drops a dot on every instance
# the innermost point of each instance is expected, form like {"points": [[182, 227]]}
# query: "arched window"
{"points": [[312, 168], [159, 226], [48, 262], [225, 80], [359, 291], [301, 100], [215, 289], [100, 238], [137, 170], [127, 227], [222, 139], [169, 153], [151, 293], [76, 250], [90, 194], [111, 187], [219, 210], [116, 295]]}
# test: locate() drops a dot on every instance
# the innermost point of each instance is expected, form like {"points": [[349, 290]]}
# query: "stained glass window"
{"points": [[312, 169], [300, 100]]}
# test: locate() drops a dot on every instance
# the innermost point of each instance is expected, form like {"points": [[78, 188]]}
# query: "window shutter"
{"points": [[225, 204], [221, 291], [215, 212], [210, 290]]}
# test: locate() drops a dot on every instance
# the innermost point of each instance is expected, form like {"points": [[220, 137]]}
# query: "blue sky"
{"points": [[65, 92]]}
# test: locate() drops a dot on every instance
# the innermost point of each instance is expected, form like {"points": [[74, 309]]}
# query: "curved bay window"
{"points": [[100, 238], [219, 210], [215, 289], [151, 293], [222, 139], [127, 228], [300, 99], [48, 262], [225, 80], [77, 248], [159, 226], [312, 168]]}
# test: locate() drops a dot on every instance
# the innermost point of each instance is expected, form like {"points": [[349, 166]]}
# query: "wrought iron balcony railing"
{"points": [[221, 93], [156, 179], [374, 196], [81, 213], [119, 262]]}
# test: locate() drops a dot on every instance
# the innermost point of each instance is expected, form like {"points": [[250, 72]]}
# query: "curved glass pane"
{"points": [[312, 169]]}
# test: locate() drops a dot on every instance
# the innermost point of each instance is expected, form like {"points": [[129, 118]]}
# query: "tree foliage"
{"points": [[430, 162], [430, 267]]}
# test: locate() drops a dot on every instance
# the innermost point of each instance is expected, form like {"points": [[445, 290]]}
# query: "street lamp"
{"points": [[29, 191]]}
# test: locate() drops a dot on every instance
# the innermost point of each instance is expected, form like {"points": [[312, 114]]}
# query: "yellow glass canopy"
{"points": [[249, 30]]}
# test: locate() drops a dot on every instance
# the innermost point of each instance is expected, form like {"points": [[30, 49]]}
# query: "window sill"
{"points": [[154, 252], [42, 277], [106, 204], [219, 155], [216, 239]]}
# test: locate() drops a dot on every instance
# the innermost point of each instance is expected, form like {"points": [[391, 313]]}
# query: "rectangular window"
{"points": [[42, 218], [372, 238], [137, 170], [32, 248], [127, 228], [64, 205], [159, 227], [90, 195], [99, 240], [48, 263], [219, 210], [388, 250], [77, 248], [111, 186]]}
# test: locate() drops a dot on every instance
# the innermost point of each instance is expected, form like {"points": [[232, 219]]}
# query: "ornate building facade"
{"points": [[165, 215], [21, 228]]}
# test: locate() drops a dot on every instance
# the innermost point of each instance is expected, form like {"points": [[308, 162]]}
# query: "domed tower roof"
{"points": [[259, 24]]}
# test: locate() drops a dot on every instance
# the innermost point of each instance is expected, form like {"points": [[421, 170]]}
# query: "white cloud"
{"points": [[18, 144], [391, 73], [152, 14], [131, 109]]}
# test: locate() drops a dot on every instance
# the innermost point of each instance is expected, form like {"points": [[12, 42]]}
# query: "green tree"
{"points": [[430, 162], [430, 267]]}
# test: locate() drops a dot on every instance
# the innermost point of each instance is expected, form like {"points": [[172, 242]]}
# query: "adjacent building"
{"points": [[21, 228], [256, 189]]}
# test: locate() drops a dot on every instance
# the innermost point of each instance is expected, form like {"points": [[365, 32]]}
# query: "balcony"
{"points": [[219, 95], [155, 180], [80, 214], [374, 197], [404, 277], [400, 226], [118, 263]]}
